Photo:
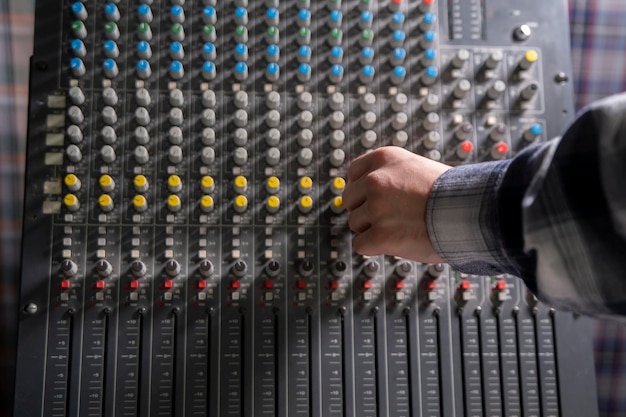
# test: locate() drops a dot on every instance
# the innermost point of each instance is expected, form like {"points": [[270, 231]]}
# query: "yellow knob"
{"points": [[305, 204], [531, 55], [337, 205], [140, 203], [272, 185], [206, 203], [272, 204], [72, 182], [107, 183], [207, 184], [141, 183], [173, 202], [241, 203], [338, 185], [174, 184], [305, 185], [240, 184], [71, 202], [105, 202]]}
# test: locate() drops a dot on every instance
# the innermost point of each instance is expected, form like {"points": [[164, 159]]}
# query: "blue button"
{"points": [[77, 7], [208, 66], [143, 46], [336, 15], [304, 51], [536, 129], [368, 71], [108, 64], [273, 49], [76, 63], [110, 9], [144, 9], [272, 68], [142, 65], [77, 44], [399, 53], [272, 13], [240, 48], [304, 69], [429, 18], [398, 17], [176, 47], [367, 52], [337, 69], [239, 11], [208, 48], [241, 67], [399, 71], [176, 66], [336, 51], [430, 53], [399, 35], [177, 10], [432, 72], [367, 16], [304, 14], [209, 11], [429, 35]]}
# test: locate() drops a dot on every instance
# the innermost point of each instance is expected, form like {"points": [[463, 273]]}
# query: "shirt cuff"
{"points": [[462, 218]]}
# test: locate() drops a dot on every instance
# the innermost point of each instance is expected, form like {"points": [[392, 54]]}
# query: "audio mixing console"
{"points": [[185, 248]]}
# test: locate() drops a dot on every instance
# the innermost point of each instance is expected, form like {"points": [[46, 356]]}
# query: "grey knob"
{"points": [[206, 268], [240, 268], [208, 98], [143, 97], [462, 89], [138, 269], [109, 115], [496, 90], [494, 59], [241, 118], [337, 138], [399, 121], [240, 156], [431, 103], [176, 117], [336, 120], [175, 135], [172, 268], [175, 154], [240, 136], [464, 131], [109, 96], [272, 100], [336, 101], [208, 136], [76, 95], [431, 121], [142, 136], [241, 100], [73, 153], [74, 134], [435, 270], [337, 157], [272, 156], [367, 101], [461, 57], [400, 138], [108, 135], [305, 138], [75, 115], [305, 156], [305, 119], [273, 137], [69, 268], [141, 155], [498, 132], [142, 117], [305, 99], [368, 120], [272, 118], [368, 140], [208, 117], [431, 140], [208, 155], [177, 98], [371, 268], [108, 154], [403, 268], [399, 102]]}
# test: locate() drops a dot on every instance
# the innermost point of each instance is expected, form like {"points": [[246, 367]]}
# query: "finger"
{"points": [[364, 244], [359, 219], [354, 195], [359, 167]]}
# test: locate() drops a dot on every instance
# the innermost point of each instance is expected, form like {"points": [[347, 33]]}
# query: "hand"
{"points": [[386, 197]]}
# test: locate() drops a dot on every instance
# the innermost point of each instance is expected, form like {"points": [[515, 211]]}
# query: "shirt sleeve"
{"points": [[555, 215]]}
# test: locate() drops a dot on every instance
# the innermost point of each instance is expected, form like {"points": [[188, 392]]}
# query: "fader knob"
{"points": [[172, 268], [138, 269], [104, 268], [69, 268]]}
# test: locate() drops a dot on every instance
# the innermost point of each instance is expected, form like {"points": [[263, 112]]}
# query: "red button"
{"points": [[467, 146], [367, 284], [399, 285], [465, 285], [202, 284], [66, 284], [269, 284], [334, 284], [100, 284], [168, 284], [134, 284], [500, 285], [236, 284], [502, 148], [431, 285], [301, 284]]}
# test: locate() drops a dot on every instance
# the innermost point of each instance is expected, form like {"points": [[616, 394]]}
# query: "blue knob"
{"points": [[208, 51], [241, 52], [429, 36], [176, 10], [176, 50], [366, 19], [304, 15], [79, 47], [304, 53], [536, 129], [208, 70], [176, 70], [398, 56], [336, 54], [304, 72], [398, 18], [336, 18], [398, 38]]}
